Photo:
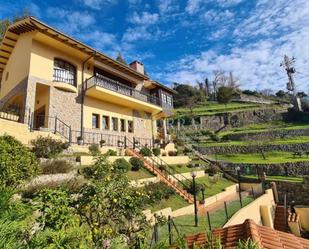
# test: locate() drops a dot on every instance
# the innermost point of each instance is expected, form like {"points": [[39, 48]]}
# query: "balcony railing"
{"points": [[118, 87], [66, 76]]}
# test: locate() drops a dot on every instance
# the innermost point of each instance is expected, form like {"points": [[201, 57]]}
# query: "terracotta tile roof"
{"points": [[266, 237]]}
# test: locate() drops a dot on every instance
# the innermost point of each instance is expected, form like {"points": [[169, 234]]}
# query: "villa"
{"points": [[54, 82]]}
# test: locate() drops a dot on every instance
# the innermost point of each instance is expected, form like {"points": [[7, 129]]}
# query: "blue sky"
{"points": [[187, 40]]}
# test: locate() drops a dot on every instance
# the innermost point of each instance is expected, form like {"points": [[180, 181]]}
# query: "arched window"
{"points": [[64, 72]]}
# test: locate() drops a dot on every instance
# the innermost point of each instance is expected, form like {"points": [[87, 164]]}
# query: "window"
{"points": [[64, 72], [169, 100], [105, 122], [115, 124], [164, 100], [95, 121], [130, 126], [122, 125]]}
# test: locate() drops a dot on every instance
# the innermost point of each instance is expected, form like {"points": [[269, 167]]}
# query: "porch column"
{"points": [[165, 136]]}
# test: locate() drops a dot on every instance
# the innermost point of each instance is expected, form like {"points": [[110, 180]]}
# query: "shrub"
{"points": [[172, 153], [198, 188], [212, 170], [156, 151], [206, 132], [17, 163], [94, 149], [158, 191], [121, 165], [145, 151], [56, 166], [136, 163], [111, 152], [98, 170], [187, 150], [215, 137], [47, 147], [54, 206], [179, 142]]}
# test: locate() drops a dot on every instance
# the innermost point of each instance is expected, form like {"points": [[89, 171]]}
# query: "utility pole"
{"points": [[290, 70]]}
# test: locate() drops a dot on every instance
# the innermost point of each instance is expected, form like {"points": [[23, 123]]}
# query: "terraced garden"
{"points": [[212, 108]]}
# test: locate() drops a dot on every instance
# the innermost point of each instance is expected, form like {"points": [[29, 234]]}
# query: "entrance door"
{"points": [[39, 118]]}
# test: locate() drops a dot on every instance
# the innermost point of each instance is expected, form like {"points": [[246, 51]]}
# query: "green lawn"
{"points": [[271, 157], [213, 188], [212, 108], [183, 168], [142, 173], [279, 178], [273, 125], [176, 202], [279, 141], [185, 224]]}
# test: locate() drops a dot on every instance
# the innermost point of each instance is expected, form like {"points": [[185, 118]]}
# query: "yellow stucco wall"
{"points": [[104, 108], [17, 67], [253, 211], [42, 61]]}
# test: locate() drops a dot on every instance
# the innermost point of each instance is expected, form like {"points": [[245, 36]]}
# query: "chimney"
{"points": [[138, 66]]}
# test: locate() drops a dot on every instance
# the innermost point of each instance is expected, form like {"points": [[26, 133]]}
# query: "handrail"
{"points": [[116, 86], [169, 173]]}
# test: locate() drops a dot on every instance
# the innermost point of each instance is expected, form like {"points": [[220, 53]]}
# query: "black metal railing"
{"points": [[181, 181], [52, 124], [66, 76], [118, 87]]}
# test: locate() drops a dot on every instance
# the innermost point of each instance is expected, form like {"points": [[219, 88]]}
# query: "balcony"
{"points": [[109, 90], [64, 80]]}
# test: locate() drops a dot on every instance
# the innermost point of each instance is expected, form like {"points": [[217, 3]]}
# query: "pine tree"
{"points": [[121, 59]]}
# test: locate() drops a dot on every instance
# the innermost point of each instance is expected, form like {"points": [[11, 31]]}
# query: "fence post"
{"points": [[55, 131], [209, 223], [155, 230], [70, 134], [169, 224], [226, 213], [253, 194], [285, 208], [133, 143], [125, 142]]}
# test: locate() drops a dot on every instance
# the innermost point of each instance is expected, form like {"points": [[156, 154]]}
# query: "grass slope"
{"points": [[185, 224], [271, 157]]}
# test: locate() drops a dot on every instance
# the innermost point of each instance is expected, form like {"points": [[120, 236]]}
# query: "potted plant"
{"points": [[80, 140], [102, 142]]}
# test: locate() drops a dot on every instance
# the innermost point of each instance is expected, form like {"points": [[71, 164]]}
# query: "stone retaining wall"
{"points": [[278, 169], [298, 192], [266, 135], [234, 149]]}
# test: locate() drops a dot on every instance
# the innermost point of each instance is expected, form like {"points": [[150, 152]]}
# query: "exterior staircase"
{"points": [[280, 222], [169, 179]]}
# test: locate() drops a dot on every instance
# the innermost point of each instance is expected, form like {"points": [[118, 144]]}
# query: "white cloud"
{"points": [[98, 4], [167, 6], [140, 33], [228, 3], [70, 22], [145, 18], [193, 6], [213, 16], [271, 30]]}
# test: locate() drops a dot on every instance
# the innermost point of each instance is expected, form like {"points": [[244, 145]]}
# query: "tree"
{"points": [[5, 23], [280, 94], [184, 94], [110, 206], [120, 58], [225, 94], [207, 90]]}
